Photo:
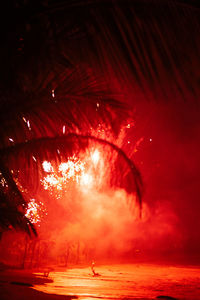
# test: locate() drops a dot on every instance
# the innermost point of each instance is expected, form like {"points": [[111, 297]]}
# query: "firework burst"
{"points": [[35, 211], [73, 170]]}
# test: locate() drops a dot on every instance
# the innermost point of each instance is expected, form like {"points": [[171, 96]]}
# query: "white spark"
{"points": [[47, 166], [28, 124]]}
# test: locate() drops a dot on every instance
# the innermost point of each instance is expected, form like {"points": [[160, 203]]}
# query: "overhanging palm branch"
{"points": [[12, 205], [11, 218], [140, 42], [64, 61], [47, 148]]}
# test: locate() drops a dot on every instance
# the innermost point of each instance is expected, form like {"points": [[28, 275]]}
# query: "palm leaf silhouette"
{"points": [[61, 58], [11, 205]]}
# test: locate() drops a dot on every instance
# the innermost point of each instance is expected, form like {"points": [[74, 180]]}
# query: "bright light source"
{"points": [[86, 179], [28, 124], [47, 166], [63, 167], [51, 180], [95, 156], [35, 211]]}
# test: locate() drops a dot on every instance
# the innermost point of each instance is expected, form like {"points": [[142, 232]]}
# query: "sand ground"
{"points": [[127, 281]]}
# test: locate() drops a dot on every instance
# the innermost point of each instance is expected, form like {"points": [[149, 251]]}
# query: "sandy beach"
{"points": [[114, 282]]}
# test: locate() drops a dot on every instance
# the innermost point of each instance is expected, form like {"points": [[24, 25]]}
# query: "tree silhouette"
{"points": [[71, 64]]}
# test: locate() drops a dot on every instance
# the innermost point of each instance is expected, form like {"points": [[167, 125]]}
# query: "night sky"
{"points": [[123, 71]]}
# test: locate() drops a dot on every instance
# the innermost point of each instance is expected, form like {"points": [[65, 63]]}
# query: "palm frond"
{"points": [[80, 64], [12, 206], [142, 43], [47, 149], [11, 218]]}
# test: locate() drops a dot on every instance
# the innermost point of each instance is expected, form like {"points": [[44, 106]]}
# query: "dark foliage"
{"points": [[60, 58]]}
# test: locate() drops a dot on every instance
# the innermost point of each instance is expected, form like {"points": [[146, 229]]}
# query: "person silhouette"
{"points": [[93, 270]]}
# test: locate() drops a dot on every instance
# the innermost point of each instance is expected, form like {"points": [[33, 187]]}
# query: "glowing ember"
{"points": [[34, 158], [29, 125], [34, 211], [3, 182]]}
